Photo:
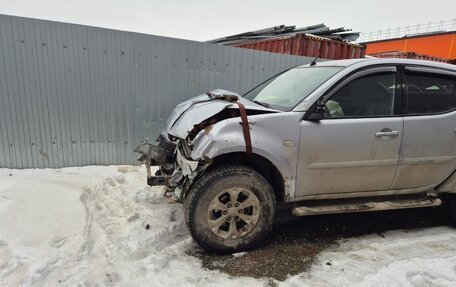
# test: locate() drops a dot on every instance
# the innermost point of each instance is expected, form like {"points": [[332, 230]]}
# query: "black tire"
{"points": [[207, 188], [451, 207]]}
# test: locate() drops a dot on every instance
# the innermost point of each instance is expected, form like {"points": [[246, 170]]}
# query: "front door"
{"points": [[355, 148]]}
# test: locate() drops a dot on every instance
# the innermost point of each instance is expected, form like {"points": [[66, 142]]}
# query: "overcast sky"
{"points": [[208, 19]]}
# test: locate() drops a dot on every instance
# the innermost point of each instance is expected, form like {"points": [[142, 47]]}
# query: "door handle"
{"points": [[387, 134]]}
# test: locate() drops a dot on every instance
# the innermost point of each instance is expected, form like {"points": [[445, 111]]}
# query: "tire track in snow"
{"points": [[115, 234]]}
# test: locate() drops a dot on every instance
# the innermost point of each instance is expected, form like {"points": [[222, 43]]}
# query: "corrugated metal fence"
{"points": [[73, 95]]}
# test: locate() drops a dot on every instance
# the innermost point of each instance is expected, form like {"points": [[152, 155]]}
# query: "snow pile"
{"points": [[94, 225], [104, 226]]}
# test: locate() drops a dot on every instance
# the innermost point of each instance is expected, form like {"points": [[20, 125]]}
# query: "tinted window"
{"points": [[372, 95], [286, 90], [429, 94]]}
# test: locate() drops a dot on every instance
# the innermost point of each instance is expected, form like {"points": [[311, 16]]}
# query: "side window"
{"points": [[430, 94], [368, 96]]}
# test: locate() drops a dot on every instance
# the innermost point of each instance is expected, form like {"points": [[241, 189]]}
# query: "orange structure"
{"points": [[441, 45]]}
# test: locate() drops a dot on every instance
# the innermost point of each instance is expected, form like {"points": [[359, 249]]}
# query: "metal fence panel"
{"points": [[73, 95]]}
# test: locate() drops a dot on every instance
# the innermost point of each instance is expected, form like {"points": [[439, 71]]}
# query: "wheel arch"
{"points": [[259, 163]]}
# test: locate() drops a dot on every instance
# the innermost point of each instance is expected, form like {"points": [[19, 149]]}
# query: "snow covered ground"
{"points": [[103, 226]]}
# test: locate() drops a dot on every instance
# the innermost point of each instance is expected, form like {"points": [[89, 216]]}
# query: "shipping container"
{"points": [[408, 55], [307, 45]]}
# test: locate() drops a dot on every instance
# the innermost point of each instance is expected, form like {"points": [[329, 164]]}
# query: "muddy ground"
{"points": [[294, 243]]}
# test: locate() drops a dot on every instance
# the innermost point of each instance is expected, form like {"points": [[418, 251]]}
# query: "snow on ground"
{"points": [[420, 258], [103, 226]]}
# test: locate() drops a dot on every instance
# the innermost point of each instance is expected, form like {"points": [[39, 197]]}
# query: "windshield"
{"points": [[286, 90]]}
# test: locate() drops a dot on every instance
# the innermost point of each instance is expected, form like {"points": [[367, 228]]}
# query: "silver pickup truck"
{"points": [[328, 137]]}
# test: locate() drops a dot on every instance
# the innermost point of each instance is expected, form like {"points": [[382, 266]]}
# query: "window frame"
{"points": [[422, 70], [363, 72]]}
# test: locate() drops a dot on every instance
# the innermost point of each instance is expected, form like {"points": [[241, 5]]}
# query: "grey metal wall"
{"points": [[73, 95]]}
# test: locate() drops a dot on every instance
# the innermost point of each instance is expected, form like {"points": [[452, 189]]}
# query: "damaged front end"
{"points": [[178, 168], [176, 172], [161, 155]]}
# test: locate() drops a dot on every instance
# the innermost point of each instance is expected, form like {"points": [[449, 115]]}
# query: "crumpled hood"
{"points": [[191, 112]]}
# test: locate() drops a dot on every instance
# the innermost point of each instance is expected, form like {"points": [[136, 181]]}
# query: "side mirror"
{"points": [[318, 114]]}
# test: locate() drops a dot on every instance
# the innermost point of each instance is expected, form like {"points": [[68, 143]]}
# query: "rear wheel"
{"points": [[230, 209]]}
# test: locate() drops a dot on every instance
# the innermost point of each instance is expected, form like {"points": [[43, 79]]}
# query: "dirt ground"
{"points": [[294, 242]]}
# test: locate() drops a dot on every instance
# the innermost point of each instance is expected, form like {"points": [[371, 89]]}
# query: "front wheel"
{"points": [[230, 209]]}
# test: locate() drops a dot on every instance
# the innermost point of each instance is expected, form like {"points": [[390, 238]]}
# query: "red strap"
{"points": [[245, 128]]}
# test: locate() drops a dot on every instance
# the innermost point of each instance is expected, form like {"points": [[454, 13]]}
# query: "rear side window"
{"points": [[430, 94]]}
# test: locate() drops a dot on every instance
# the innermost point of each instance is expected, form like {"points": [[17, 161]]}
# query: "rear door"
{"points": [[428, 150]]}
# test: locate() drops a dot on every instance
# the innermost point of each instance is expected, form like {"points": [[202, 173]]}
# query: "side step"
{"points": [[364, 207]]}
